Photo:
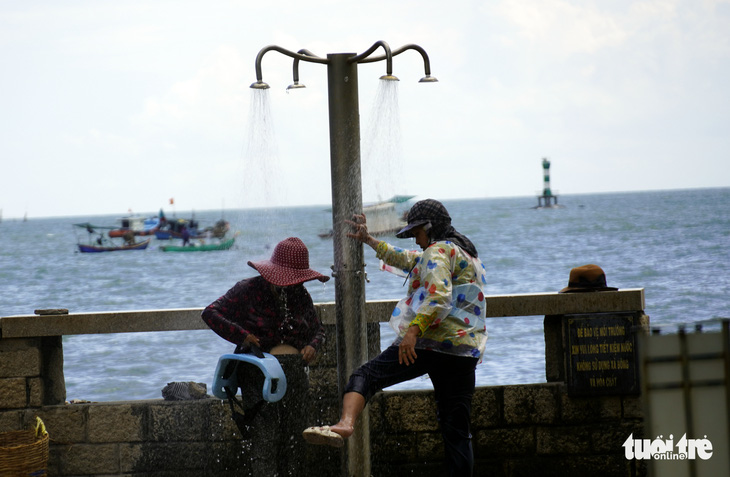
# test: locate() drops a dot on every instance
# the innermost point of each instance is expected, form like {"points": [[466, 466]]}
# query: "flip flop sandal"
{"points": [[323, 436]]}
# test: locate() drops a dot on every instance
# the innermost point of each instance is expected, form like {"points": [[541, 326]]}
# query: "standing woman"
{"points": [[440, 325]]}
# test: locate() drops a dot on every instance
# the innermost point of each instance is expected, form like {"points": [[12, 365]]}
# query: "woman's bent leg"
{"points": [[382, 371]]}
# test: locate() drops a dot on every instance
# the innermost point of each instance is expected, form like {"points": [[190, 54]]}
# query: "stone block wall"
{"points": [[159, 438], [31, 372], [154, 438], [20, 371], [524, 430]]}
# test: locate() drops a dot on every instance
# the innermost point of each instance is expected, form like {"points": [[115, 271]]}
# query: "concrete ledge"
{"points": [[102, 322], [23, 326], [565, 303]]}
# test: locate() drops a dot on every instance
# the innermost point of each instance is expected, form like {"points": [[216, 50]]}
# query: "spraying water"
{"points": [[262, 185], [261, 155], [382, 164]]}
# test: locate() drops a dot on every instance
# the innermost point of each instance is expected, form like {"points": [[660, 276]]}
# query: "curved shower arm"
{"points": [[295, 66], [362, 58], [424, 55], [297, 56]]}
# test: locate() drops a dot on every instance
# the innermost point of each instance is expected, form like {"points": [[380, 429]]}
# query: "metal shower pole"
{"points": [[352, 344]]}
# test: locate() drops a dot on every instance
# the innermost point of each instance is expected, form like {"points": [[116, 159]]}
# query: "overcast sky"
{"points": [[110, 106]]}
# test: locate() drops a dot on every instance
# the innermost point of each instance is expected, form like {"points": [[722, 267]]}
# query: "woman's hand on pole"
{"points": [[360, 230]]}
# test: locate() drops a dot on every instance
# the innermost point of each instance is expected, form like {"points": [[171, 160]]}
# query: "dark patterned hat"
{"points": [[289, 265], [588, 278], [424, 212]]}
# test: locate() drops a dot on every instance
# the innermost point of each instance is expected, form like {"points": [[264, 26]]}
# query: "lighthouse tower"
{"points": [[547, 199]]}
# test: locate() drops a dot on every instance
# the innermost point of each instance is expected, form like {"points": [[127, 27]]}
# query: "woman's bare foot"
{"points": [[342, 429], [352, 405]]}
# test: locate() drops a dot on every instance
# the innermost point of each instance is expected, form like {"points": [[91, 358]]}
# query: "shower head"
{"points": [[389, 77], [259, 85], [428, 79], [295, 85]]}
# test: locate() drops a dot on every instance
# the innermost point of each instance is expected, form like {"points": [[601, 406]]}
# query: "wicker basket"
{"points": [[24, 453]]}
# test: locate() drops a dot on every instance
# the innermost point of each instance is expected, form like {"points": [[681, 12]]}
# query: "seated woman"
{"points": [[272, 311]]}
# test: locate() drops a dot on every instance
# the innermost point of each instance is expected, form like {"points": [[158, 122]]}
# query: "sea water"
{"points": [[674, 244]]}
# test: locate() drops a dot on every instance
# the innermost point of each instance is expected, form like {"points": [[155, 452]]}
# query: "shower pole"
{"points": [[352, 343]]}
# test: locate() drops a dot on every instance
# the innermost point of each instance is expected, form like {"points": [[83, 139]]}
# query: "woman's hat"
{"points": [[588, 278], [289, 265], [424, 212]]}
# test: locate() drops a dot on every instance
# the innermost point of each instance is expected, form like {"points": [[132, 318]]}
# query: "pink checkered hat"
{"points": [[288, 265]]}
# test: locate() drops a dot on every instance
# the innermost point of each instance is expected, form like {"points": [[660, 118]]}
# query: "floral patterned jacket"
{"points": [[445, 297]]}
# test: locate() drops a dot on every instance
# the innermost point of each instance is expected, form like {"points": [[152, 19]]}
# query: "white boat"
{"points": [[384, 218], [137, 224]]}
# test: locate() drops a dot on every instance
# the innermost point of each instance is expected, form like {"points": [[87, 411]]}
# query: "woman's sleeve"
{"points": [[220, 315], [397, 257], [436, 286]]}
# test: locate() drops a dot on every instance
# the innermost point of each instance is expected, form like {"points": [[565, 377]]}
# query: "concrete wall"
{"points": [[534, 429]]}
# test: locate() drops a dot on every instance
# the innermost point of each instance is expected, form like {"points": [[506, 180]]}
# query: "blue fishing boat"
{"points": [[113, 248], [104, 244]]}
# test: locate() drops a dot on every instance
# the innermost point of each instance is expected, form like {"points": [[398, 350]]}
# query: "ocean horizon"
{"points": [[186, 213]]}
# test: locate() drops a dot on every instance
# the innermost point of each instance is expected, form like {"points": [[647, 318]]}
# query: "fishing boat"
{"points": [[113, 248], [137, 224], [104, 244], [176, 229], [199, 247]]}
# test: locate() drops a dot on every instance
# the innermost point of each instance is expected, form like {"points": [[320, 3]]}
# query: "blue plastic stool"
{"points": [[274, 383]]}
